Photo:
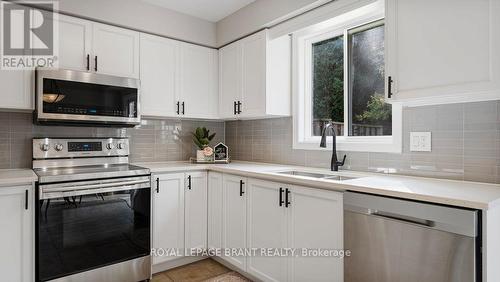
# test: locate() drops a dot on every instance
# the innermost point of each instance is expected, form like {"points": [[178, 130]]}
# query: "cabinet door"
{"points": [[117, 51], [214, 210], [168, 215], [253, 88], [159, 61], [229, 79], [75, 37], [17, 89], [17, 85], [17, 236], [234, 219], [196, 210], [315, 222], [198, 81], [266, 228], [431, 61]]}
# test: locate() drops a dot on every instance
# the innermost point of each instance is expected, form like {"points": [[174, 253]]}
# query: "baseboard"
{"points": [[160, 267]]}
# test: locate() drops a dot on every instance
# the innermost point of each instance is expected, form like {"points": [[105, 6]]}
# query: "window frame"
{"points": [[302, 91]]}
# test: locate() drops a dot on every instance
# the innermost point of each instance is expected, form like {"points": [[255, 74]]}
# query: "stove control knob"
{"points": [[121, 146], [58, 147], [44, 147], [110, 146]]}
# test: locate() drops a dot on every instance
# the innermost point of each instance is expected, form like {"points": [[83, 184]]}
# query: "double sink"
{"points": [[317, 175]]}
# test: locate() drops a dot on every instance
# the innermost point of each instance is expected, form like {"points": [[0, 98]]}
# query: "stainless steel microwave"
{"points": [[77, 97]]}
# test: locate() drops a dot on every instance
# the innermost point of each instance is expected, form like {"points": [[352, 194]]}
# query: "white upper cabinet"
{"points": [[115, 50], [442, 51], [253, 68], [229, 80], [17, 89], [75, 36], [255, 77], [159, 61], [18, 236], [178, 79], [198, 81], [196, 210]]}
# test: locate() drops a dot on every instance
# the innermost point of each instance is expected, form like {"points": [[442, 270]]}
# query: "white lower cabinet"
{"points": [[315, 221], [168, 215], [214, 210], [17, 236], [263, 215], [266, 228], [234, 210], [196, 210], [179, 213]]}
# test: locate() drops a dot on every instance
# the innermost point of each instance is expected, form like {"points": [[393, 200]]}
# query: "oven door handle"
{"points": [[69, 191]]}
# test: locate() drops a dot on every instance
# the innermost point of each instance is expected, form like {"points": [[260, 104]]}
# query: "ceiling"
{"points": [[210, 10]]}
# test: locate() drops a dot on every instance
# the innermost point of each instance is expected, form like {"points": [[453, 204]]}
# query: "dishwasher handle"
{"points": [[403, 218]]}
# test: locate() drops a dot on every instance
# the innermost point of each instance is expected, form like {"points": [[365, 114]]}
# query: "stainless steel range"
{"points": [[93, 211]]}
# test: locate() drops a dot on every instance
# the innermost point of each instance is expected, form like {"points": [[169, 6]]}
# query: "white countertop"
{"points": [[17, 176], [450, 192]]}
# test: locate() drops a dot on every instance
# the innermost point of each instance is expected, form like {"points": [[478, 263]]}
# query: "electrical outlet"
{"points": [[420, 141]]}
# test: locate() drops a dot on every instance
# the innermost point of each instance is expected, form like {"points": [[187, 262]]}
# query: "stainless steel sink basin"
{"points": [[316, 175]]}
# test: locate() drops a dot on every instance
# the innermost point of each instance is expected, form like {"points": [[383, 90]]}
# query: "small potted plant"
{"points": [[201, 138]]}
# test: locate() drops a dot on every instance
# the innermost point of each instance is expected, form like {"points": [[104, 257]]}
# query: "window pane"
{"points": [[369, 114], [328, 84]]}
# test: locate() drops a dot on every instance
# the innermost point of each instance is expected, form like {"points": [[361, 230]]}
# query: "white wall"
{"points": [[140, 15], [260, 14]]}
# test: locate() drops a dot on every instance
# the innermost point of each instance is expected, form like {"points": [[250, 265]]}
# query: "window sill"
{"points": [[378, 144]]}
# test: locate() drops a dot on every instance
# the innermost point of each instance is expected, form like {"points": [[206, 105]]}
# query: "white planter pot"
{"points": [[199, 155]]}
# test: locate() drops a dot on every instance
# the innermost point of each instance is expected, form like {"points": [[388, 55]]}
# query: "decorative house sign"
{"points": [[221, 153]]}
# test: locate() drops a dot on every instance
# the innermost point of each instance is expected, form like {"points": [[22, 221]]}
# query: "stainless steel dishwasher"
{"points": [[393, 240]]}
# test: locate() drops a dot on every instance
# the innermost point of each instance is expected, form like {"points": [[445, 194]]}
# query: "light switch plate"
{"points": [[420, 141]]}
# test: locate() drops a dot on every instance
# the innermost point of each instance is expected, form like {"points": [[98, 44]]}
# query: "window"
{"points": [[341, 80]]}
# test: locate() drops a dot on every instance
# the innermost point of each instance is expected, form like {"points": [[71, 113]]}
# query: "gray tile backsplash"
{"points": [[465, 144], [152, 141]]}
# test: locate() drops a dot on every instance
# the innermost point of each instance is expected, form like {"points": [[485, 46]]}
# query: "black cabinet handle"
{"points": [[189, 182], [389, 87], [281, 197], [88, 62], [241, 188], [287, 202], [26, 200], [157, 185], [183, 108], [239, 107], [95, 63], [234, 107], [178, 107]]}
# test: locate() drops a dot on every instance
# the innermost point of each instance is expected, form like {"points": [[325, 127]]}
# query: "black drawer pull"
{"points": [[389, 86], [241, 188], [88, 62], [189, 182], [157, 185], [281, 197], [287, 201], [95, 63], [26, 200]]}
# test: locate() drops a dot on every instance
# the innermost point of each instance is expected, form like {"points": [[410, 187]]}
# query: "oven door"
{"points": [[86, 225], [82, 97]]}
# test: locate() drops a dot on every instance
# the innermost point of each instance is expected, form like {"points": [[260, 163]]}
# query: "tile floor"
{"points": [[206, 270]]}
